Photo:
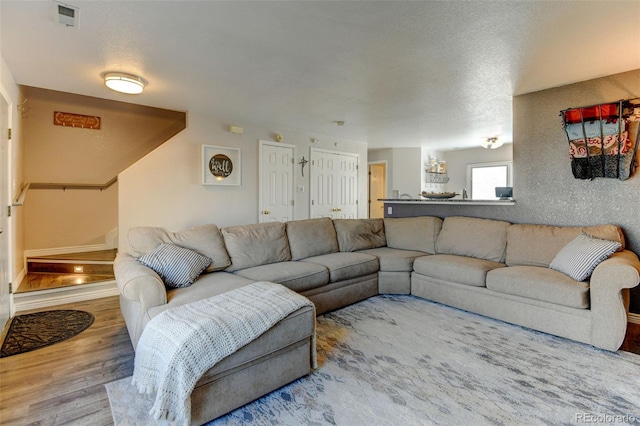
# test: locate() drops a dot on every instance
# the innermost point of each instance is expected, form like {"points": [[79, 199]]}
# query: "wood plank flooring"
{"points": [[44, 281], [63, 384]]}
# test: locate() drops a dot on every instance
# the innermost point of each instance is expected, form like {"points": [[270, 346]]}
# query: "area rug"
{"points": [[29, 332], [401, 360]]}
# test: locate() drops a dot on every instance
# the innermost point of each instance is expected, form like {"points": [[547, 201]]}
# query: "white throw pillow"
{"points": [[177, 266], [580, 257]]}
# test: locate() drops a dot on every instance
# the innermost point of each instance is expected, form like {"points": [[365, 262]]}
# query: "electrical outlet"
{"points": [[389, 210]]}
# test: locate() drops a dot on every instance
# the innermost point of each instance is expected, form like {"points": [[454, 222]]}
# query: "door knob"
{"points": [[265, 212]]}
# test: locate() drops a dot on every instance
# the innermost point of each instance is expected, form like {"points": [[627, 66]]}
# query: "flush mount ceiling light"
{"points": [[124, 83], [492, 143]]}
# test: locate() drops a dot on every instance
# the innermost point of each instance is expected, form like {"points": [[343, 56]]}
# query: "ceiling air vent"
{"points": [[66, 14]]}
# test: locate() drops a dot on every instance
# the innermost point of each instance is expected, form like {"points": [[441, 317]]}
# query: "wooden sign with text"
{"points": [[76, 120]]}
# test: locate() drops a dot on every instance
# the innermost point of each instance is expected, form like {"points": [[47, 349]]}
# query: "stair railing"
{"points": [[19, 200]]}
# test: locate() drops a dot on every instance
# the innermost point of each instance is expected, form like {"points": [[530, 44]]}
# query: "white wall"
{"points": [[405, 171], [407, 174], [164, 188], [11, 91], [457, 163]]}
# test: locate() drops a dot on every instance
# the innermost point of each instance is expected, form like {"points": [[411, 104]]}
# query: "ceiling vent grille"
{"points": [[66, 14]]}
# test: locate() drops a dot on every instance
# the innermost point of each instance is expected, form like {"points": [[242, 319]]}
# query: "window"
{"points": [[483, 178]]}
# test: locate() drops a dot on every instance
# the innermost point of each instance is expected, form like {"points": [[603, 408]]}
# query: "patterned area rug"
{"points": [[400, 360], [29, 332]]}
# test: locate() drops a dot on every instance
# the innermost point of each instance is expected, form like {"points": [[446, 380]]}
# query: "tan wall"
{"points": [[164, 188], [57, 218]]}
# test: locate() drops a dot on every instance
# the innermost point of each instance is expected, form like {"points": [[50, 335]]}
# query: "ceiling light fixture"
{"points": [[124, 83], [492, 143]]}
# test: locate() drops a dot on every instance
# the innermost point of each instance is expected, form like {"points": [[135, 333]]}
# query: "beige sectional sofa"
{"points": [[490, 267]]}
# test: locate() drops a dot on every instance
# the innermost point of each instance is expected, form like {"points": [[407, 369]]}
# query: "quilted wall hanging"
{"points": [[603, 139]]}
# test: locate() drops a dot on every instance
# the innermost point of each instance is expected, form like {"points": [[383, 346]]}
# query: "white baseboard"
{"points": [[633, 318], [18, 280], [111, 239], [111, 242], [61, 296], [65, 250]]}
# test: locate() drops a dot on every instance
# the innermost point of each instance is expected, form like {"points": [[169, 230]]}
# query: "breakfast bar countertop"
{"points": [[448, 201]]}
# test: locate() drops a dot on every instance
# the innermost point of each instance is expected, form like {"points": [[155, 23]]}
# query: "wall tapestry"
{"points": [[603, 139], [221, 165]]}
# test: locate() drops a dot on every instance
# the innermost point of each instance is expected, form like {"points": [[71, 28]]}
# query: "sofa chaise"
{"points": [[490, 267]]}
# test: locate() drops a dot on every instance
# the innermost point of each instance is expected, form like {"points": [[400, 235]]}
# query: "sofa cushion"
{"points": [[413, 233], [580, 257], [255, 245], [539, 283], [206, 286], [311, 237], [395, 260], [537, 245], [468, 236], [344, 266], [205, 239], [359, 234], [177, 266], [298, 276], [457, 269]]}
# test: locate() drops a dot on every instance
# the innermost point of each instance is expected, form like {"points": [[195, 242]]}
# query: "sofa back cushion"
{"points": [[360, 234], [205, 239], [472, 237], [413, 233], [538, 245], [311, 237], [255, 245]]}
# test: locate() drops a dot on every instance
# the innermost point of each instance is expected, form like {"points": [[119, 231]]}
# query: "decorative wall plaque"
{"points": [[221, 165], [68, 119]]}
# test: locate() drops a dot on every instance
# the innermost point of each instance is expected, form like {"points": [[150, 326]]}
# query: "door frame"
{"points": [[386, 189], [262, 143], [8, 175]]}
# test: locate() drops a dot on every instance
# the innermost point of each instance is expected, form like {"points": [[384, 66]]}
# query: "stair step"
{"points": [[96, 262], [33, 282], [67, 267]]}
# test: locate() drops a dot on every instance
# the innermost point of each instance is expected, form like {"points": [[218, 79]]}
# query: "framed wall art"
{"points": [[221, 165]]}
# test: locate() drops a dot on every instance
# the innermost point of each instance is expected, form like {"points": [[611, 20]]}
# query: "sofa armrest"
{"points": [[138, 283], [610, 282]]}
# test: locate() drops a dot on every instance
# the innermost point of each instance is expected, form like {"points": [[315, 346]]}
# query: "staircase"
{"points": [[66, 278]]}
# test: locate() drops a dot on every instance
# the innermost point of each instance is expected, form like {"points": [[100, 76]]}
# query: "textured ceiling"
{"points": [[404, 74]]}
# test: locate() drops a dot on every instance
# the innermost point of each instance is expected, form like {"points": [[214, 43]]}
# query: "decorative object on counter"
{"points": [[603, 139], [492, 143], [435, 177], [396, 194], [438, 195]]}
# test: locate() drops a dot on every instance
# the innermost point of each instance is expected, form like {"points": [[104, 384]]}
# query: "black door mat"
{"points": [[29, 332]]}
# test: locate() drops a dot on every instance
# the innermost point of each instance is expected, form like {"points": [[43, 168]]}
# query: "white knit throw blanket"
{"points": [[179, 345]]}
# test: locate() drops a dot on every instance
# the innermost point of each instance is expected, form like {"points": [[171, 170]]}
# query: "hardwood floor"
{"points": [[58, 271], [63, 384]]}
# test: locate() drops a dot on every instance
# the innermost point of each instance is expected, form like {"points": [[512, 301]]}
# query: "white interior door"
{"points": [[347, 187], [334, 184], [4, 218], [276, 182]]}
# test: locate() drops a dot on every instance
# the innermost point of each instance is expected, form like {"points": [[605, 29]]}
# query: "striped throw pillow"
{"points": [[580, 257], [177, 266]]}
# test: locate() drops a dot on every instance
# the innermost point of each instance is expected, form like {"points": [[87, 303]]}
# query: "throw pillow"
{"points": [[580, 257], [177, 266]]}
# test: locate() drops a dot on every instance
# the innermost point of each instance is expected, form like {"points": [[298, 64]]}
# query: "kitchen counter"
{"points": [[448, 201]]}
